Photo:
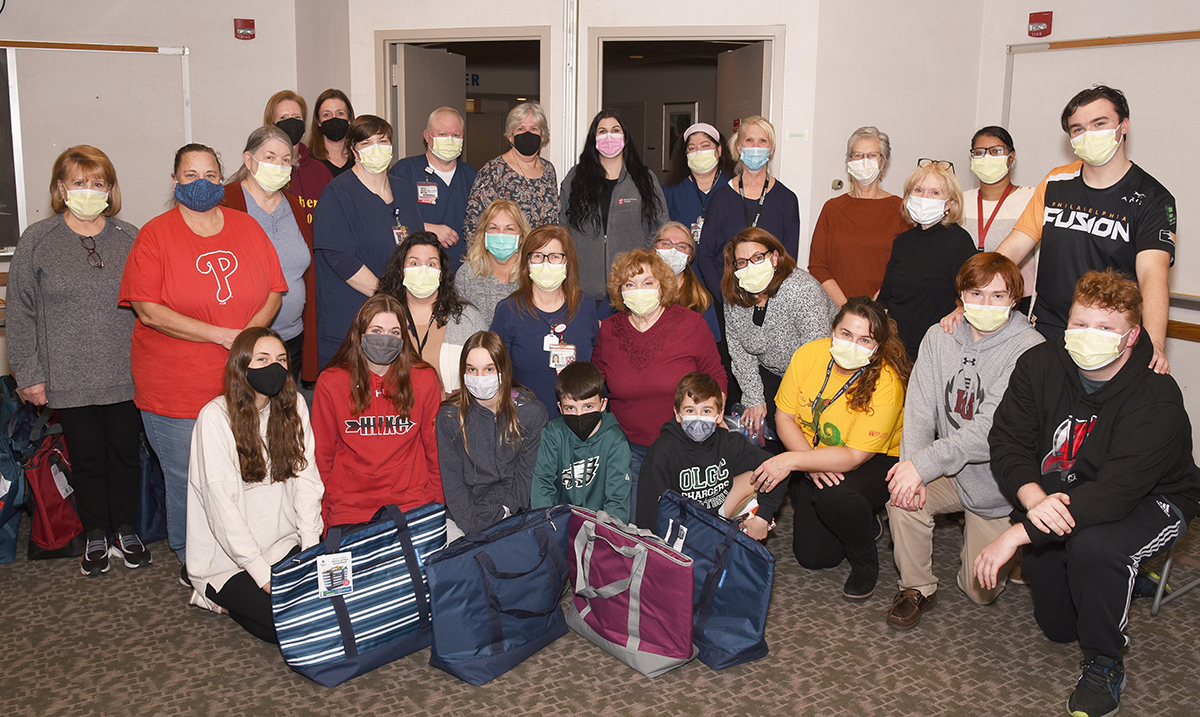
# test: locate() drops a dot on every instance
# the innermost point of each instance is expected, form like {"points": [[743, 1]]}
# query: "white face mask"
{"points": [[482, 387], [863, 170], [924, 210], [675, 259]]}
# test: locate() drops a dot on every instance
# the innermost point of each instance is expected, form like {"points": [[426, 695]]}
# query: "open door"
{"points": [[422, 81], [743, 84]]}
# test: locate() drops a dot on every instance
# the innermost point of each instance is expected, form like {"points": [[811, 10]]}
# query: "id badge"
{"points": [[427, 192], [400, 233], [697, 227], [549, 341], [561, 356], [334, 575]]}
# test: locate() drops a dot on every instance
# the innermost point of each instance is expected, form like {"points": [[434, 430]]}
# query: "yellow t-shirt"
{"points": [[876, 430]]}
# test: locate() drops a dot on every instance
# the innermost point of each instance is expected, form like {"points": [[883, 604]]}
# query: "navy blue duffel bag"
{"points": [[495, 594], [733, 577]]}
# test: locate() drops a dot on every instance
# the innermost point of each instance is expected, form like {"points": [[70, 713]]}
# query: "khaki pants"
{"points": [[912, 532]]}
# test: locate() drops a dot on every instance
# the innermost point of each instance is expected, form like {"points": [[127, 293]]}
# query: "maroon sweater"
{"points": [[642, 369]]}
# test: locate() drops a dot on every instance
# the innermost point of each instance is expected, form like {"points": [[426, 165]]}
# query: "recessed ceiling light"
{"points": [[521, 99], [636, 57]]}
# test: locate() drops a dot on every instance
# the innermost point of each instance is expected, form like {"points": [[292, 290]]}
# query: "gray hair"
{"points": [[255, 141], [518, 114], [443, 111], [885, 145]]}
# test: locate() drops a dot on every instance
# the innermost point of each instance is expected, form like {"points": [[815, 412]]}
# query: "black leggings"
{"points": [[106, 468], [248, 604], [834, 523]]}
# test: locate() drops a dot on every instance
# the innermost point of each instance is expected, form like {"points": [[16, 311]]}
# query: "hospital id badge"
{"points": [[334, 575], [697, 227], [427, 192], [561, 356], [400, 233]]}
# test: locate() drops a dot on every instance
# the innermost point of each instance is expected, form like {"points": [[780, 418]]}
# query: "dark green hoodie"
{"points": [[592, 474]]}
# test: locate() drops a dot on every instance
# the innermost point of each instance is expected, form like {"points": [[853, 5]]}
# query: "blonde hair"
{"points": [[281, 96], [477, 253], [692, 293], [94, 164], [518, 114], [954, 213], [634, 262], [735, 142]]}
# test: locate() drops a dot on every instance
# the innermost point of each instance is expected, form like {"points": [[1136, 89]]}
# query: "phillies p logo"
{"points": [[221, 264]]}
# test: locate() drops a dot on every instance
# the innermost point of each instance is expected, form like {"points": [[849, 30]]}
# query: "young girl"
{"points": [[254, 494], [488, 437]]}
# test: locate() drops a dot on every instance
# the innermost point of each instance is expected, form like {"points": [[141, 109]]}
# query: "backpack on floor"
{"points": [[152, 500], [13, 489], [57, 531]]}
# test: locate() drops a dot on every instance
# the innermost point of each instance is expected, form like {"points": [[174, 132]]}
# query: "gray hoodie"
{"points": [[956, 384]]}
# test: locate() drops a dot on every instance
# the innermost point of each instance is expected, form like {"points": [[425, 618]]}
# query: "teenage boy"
{"points": [[583, 458], [695, 457], [1095, 450], [956, 383]]}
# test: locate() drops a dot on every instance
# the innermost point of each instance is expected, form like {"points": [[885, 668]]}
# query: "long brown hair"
{"points": [[397, 382], [285, 432], [506, 413], [537, 239], [731, 289], [316, 144], [889, 353]]}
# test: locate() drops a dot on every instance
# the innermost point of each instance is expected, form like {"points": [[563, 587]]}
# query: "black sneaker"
{"points": [[95, 556], [860, 585], [129, 548], [184, 580], [1098, 693]]}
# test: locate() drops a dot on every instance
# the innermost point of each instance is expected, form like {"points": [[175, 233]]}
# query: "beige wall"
{"points": [[322, 48]]}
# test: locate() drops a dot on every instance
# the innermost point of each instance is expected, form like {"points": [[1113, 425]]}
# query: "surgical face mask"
{"points": [[611, 144], [501, 246], [642, 302], [755, 158], [382, 349], [755, 277], [989, 169], [548, 276], [698, 428], [850, 355], [293, 127], [267, 380], [675, 259], [702, 161], [1091, 349], [446, 148], [527, 143], [376, 158], [272, 177], [1096, 147], [863, 170], [482, 387], [422, 281], [924, 210], [87, 204], [986, 318], [335, 128], [582, 424], [199, 195]]}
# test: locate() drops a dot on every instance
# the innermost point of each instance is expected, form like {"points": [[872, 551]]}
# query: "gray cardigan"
{"points": [[64, 326], [626, 230]]}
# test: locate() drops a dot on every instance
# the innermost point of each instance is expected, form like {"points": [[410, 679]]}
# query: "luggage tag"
{"points": [[427, 192], [60, 481], [334, 575], [680, 535]]}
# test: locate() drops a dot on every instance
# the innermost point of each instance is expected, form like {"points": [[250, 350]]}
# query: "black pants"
{"points": [[295, 352], [734, 394], [835, 523], [770, 383], [1081, 587], [248, 604], [106, 471]]}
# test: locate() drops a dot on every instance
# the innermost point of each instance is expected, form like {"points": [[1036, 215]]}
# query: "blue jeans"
{"points": [[171, 439], [637, 454]]}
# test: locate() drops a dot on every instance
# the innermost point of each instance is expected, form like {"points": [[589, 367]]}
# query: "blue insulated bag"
{"points": [[152, 500], [495, 594], [13, 488], [733, 578], [381, 610]]}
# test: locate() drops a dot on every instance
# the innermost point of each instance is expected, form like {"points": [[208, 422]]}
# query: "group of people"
{"points": [[491, 340]]}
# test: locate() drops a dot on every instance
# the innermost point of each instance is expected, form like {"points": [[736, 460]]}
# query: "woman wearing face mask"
{"points": [[254, 493], [332, 115], [610, 201], [991, 212], [547, 322], [676, 245], [437, 321], [646, 347], [699, 165], [853, 236], [521, 174], [196, 277], [363, 215], [772, 308], [258, 189], [838, 457], [374, 414], [287, 110], [488, 438], [490, 272], [918, 284], [68, 346]]}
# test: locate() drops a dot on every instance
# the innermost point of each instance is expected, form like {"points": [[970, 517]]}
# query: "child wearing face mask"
{"points": [[701, 460], [584, 455]]}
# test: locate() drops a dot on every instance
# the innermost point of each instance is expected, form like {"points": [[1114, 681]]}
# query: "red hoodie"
{"points": [[371, 460]]}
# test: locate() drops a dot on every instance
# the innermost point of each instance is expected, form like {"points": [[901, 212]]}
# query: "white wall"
{"points": [[322, 48]]}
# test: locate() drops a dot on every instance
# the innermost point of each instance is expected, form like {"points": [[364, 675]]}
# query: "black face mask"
{"points": [[528, 143], [293, 127], [335, 128], [382, 349], [582, 424], [268, 380]]}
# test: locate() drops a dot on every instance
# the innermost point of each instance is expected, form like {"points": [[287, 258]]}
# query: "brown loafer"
{"points": [[907, 608]]}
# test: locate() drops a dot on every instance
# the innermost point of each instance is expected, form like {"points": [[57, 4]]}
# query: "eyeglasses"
{"points": [[999, 150], [681, 246], [556, 257], [941, 163], [865, 155], [758, 258], [94, 259]]}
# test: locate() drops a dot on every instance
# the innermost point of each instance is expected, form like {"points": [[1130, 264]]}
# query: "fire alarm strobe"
{"points": [[243, 29], [1039, 23]]}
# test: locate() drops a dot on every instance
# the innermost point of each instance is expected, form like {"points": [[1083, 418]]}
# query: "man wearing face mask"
{"points": [[1102, 211], [1095, 450], [442, 180]]}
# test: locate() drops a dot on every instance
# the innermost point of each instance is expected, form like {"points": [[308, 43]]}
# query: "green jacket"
{"points": [[593, 474]]}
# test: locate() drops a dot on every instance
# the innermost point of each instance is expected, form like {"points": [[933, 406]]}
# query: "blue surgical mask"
{"points": [[699, 428], [199, 195], [755, 158], [501, 246]]}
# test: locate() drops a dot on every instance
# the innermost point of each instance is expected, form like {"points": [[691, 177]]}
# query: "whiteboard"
{"points": [[1162, 84], [130, 105]]}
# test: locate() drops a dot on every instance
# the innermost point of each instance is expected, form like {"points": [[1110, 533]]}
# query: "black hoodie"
{"points": [[1107, 450]]}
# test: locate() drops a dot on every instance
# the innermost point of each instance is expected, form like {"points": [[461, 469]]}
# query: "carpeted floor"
{"points": [[128, 644]]}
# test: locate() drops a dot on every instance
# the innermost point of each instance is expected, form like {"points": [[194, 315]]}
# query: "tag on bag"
{"points": [[334, 575], [60, 481], [679, 531]]}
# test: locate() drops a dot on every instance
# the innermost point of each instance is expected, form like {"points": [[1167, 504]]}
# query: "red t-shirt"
{"points": [[375, 459], [223, 280]]}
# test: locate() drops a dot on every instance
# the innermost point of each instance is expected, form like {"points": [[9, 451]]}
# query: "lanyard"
{"points": [[396, 211], [983, 228], [761, 199], [702, 196], [818, 409], [421, 340]]}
